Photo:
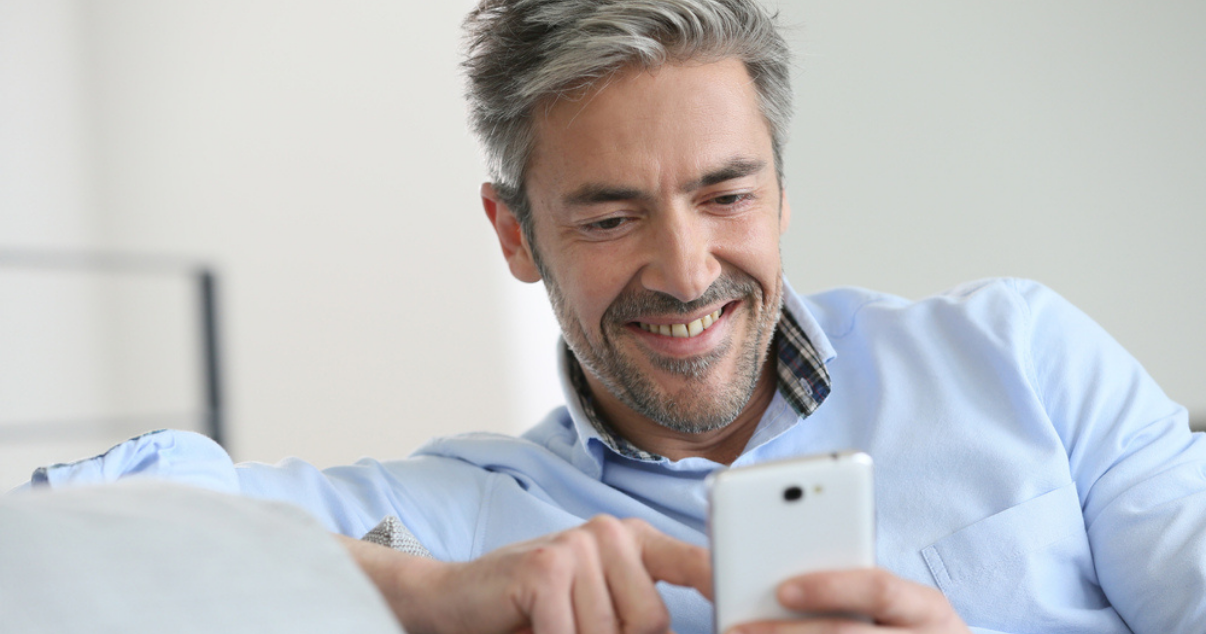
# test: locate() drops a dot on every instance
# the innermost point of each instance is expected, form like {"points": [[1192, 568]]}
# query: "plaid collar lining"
{"points": [[618, 443], [801, 376]]}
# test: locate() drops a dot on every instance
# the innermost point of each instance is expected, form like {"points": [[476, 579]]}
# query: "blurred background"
{"points": [[314, 157]]}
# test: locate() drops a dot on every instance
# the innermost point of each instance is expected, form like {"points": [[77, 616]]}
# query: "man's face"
{"points": [[657, 217]]}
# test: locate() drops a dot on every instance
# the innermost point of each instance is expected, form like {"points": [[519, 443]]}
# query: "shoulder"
{"points": [[548, 442], [992, 303]]}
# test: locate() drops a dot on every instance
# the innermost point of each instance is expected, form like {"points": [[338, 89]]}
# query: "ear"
{"points": [[784, 212], [514, 245]]}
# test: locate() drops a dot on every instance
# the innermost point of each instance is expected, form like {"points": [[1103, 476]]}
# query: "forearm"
{"points": [[401, 579]]}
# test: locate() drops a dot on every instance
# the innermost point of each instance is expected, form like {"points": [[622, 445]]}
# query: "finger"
{"points": [[552, 614], [810, 626], [874, 592], [638, 604], [673, 561], [548, 603], [594, 611]]}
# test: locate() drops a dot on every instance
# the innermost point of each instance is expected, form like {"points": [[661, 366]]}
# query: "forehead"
{"points": [[650, 129]]}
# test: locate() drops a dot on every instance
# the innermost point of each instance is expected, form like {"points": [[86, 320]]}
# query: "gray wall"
{"points": [[942, 141]]}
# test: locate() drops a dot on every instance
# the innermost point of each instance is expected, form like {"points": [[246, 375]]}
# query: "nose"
{"points": [[681, 262]]}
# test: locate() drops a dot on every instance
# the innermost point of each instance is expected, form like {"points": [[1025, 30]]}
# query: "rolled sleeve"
{"points": [[179, 456]]}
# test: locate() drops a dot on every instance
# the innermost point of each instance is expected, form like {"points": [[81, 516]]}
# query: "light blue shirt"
{"points": [[1026, 465]]}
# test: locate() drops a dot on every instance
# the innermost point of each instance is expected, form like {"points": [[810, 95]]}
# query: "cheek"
{"points": [[753, 247], [590, 284]]}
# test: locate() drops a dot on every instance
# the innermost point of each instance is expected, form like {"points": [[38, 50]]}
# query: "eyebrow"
{"points": [[596, 193], [593, 193], [735, 168]]}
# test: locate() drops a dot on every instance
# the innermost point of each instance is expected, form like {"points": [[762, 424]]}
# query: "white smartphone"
{"points": [[776, 520]]}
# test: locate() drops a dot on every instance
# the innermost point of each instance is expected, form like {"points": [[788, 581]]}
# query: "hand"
{"points": [[598, 577], [892, 603]]}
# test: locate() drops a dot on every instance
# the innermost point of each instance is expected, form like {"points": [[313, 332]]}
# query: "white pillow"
{"points": [[151, 557]]}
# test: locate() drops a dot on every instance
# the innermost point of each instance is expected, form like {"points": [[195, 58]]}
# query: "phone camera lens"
{"points": [[791, 494]]}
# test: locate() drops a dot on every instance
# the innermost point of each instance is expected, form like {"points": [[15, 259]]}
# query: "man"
{"points": [[1030, 475]]}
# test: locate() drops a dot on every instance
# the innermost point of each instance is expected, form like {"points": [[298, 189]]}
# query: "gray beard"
{"points": [[690, 411]]}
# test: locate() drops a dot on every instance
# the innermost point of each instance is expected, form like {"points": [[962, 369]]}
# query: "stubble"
{"points": [[704, 404]]}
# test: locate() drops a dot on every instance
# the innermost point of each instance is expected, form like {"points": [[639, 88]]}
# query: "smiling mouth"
{"points": [[685, 330]]}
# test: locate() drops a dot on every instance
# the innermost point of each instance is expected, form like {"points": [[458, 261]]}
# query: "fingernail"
{"points": [[791, 594]]}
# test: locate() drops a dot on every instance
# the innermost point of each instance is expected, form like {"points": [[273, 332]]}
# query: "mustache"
{"points": [[636, 303]]}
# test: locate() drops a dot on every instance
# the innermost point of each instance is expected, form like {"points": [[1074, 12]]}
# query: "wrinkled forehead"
{"points": [[646, 125]]}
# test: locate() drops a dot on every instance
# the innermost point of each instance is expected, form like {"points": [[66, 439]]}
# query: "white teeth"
{"points": [[691, 329]]}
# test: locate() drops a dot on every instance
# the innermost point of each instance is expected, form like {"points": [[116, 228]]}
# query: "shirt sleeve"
{"points": [[1139, 471], [179, 456], [437, 499]]}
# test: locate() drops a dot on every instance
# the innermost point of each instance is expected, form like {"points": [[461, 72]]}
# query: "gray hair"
{"points": [[523, 53]]}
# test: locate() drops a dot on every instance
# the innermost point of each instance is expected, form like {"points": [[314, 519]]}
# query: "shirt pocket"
{"points": [[1026, 568]]}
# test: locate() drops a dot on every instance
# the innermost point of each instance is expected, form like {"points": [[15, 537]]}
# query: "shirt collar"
{"points": [[801, 352]]}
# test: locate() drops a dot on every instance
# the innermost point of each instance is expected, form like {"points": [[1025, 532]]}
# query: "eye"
{"points": [[607, 224], [728, 200], [606, 228]]}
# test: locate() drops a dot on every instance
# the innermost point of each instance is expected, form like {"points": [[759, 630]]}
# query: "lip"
{"points": [[685, 347]]}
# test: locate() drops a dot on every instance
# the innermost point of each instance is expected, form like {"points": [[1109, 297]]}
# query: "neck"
{"points": [[722, 445]]}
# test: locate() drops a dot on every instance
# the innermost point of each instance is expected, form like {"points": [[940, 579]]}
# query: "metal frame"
{"points": [[206, 284]]}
